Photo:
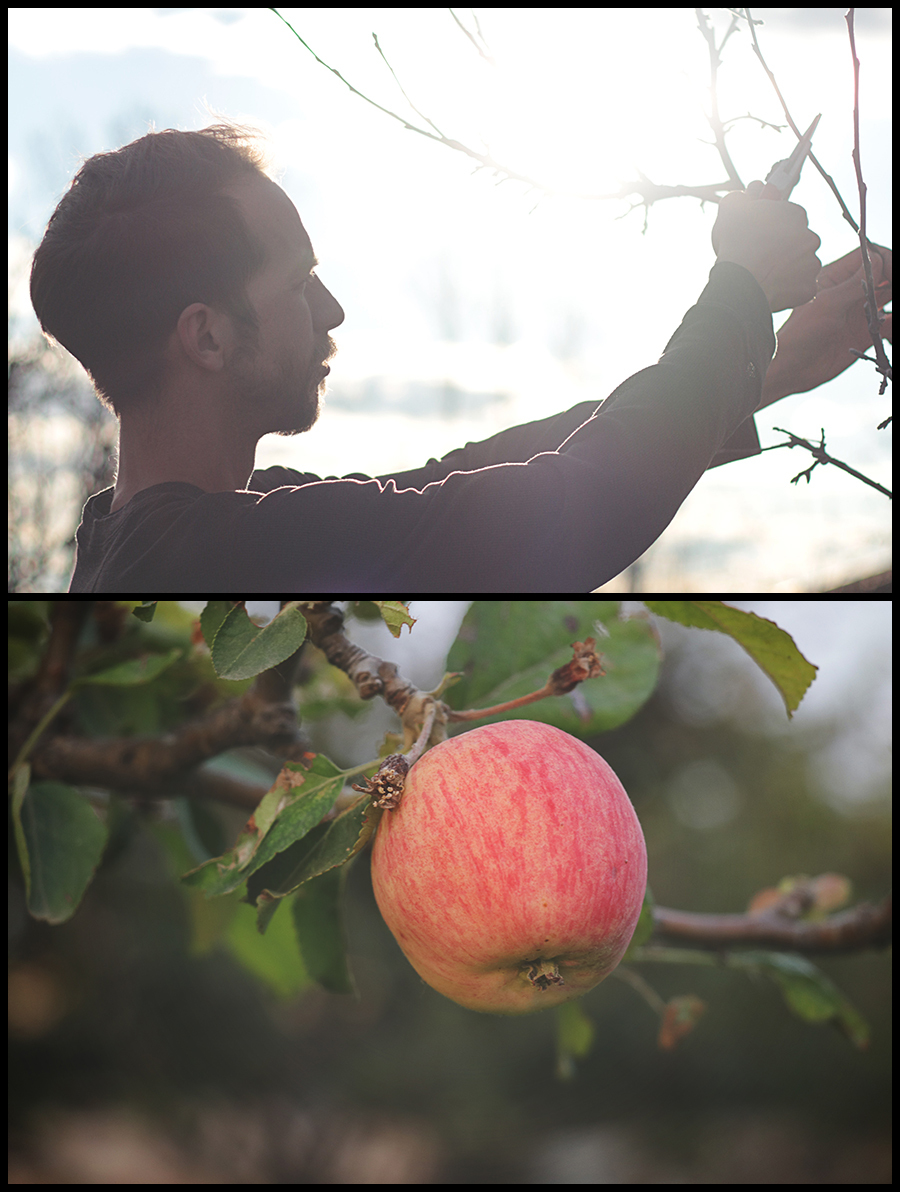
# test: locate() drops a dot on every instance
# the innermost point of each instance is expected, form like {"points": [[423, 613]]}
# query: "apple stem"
{"points": [[386, 785], [413, 755]]}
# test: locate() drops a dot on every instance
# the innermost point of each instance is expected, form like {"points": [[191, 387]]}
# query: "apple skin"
{"points": [[515, 854]]}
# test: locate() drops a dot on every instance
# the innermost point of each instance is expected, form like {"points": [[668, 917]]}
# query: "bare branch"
{"points": [[482, 158], [863, 926], [402, 91], [822, 457], [871, 306], [715, 61], [648, 191], [483, 52], [148, 763], [370, 675], [828, 178]]}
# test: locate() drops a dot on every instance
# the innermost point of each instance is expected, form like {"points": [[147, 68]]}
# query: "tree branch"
{"points": [[146, 763], [32, 700], [715, 61], [370, 675], [871, 306], [164, 765], [790, 119], [873, 318], [863, 926], [822, 457], [648, 191], [167, 766], [485, 53]]}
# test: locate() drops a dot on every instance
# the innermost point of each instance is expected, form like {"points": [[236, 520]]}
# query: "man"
{"points": [[181, 276]]}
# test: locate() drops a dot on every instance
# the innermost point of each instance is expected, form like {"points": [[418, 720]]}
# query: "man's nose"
{"points": [[328, 312]]}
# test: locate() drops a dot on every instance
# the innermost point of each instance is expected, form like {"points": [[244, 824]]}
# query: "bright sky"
{"points": [[430, 262]]}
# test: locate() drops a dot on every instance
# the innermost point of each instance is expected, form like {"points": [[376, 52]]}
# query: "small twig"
{"points": [[486, 56], [370, 675], [871, 306], [649, 192], [828, 178], [642, 987], [585, 664], [822, 457], [482, 158], [421, 115], [714, 120]]}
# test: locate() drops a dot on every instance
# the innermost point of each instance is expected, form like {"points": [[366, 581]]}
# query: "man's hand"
{"points": [[814, 344], [773, 241]]}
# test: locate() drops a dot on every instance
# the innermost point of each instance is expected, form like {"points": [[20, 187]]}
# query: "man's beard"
{"points": [[289, 408]]}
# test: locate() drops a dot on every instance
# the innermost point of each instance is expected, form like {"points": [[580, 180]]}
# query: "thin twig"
{"points": [[585, 664], [625, 973], [822, 457], [387, 784], [421, 115], [482, 158], [648, 191], [483, 52], [871, 306], [715, 61], [790, 119]]}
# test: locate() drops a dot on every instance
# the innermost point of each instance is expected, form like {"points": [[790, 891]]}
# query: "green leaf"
{"points": [[274, 958], [60, 841], [297, 820], [241, 649], [508, 648], [132, 673], [212, 617], [288, 812], [808, 992], [145, 610], [395, 615], [574, 1037], [345, 836], [318, 921], [327, 846], [771, 648]]}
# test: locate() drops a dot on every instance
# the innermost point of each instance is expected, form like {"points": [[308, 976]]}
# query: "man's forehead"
{"points": [[274, 219]]}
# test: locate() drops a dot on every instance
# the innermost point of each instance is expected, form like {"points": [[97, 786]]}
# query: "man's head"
{"points": [[269, 377], [175, 264]]}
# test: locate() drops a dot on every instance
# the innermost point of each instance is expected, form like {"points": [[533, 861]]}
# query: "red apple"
{"points": [[513, 871]]}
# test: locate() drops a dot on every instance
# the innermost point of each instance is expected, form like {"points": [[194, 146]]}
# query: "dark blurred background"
{"points": [[133, 1061]]}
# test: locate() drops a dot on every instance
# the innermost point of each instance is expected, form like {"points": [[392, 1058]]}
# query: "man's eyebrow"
{"points": [[308, 261]]}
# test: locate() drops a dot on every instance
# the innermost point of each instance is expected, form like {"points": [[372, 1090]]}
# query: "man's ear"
{"points": [[203, 335]]}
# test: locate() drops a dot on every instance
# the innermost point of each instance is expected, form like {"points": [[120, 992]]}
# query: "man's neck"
{"points": [[213, 463]]}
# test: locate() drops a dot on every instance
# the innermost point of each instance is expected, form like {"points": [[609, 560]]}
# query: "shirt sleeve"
{"points": [[567, 502], [558, 505]]}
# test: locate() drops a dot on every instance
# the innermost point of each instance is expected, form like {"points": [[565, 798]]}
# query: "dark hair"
{"points": [[139, 235]]}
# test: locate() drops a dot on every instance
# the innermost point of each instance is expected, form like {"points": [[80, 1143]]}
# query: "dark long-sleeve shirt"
{"points": [[558, 505]]}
